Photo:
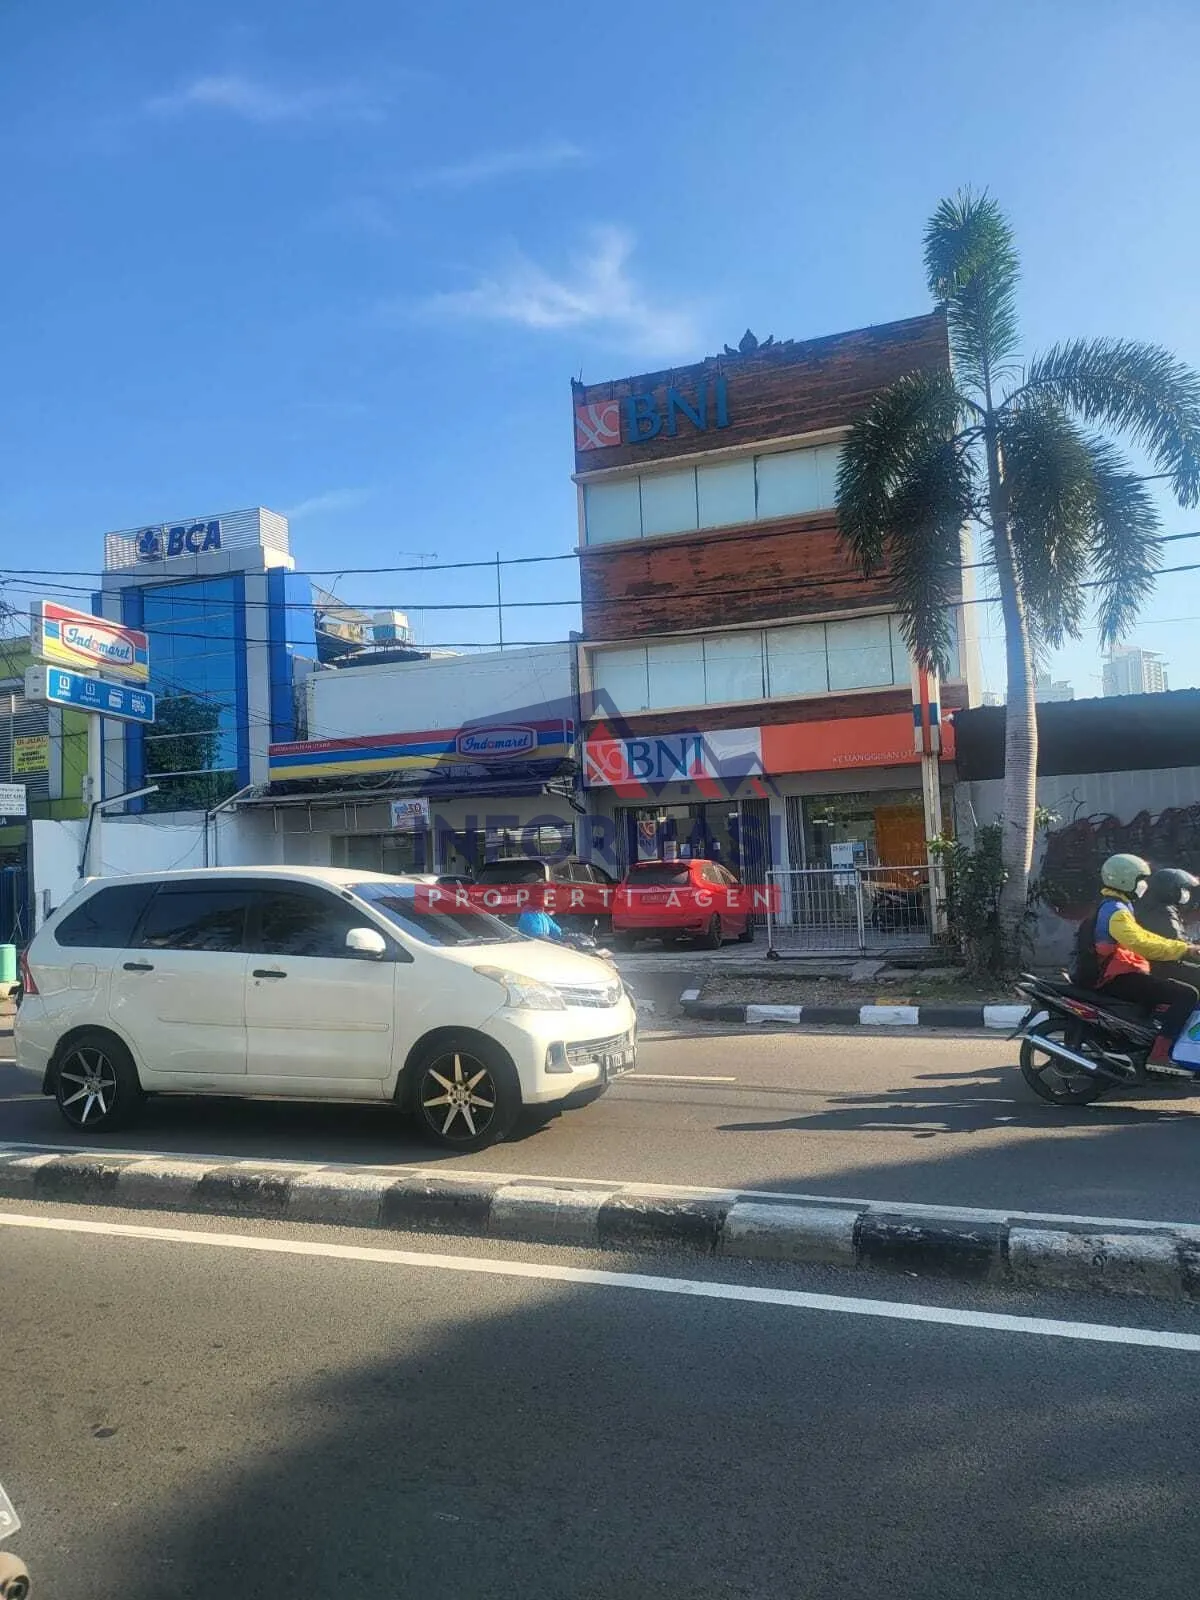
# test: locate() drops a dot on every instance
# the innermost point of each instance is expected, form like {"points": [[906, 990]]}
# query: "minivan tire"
{"points": [[96, 1085], [465, 1094]]}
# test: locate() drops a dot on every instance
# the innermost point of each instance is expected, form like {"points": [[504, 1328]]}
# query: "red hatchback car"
{"points": [[679, 900]]}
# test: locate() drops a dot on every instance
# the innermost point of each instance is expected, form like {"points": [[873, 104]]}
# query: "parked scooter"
{"points": [[1077, 1044], [14, 1574]]}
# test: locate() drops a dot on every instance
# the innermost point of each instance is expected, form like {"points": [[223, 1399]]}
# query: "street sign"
{"points": [[31, 753], [12, 799], [63, 688], [78, 639]]}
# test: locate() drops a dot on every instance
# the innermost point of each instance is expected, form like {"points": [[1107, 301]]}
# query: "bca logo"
{"points": [[187, 539]]}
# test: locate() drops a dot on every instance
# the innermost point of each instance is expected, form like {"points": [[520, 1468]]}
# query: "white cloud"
{"points": [[597, 294], [256, 101], [327, 500], [489, 165]]}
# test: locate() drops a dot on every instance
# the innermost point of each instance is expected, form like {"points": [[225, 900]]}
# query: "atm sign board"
{"points": [[66, 638]]}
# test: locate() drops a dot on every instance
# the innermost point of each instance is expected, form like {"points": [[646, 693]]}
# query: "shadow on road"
{"points": [[524, 1440]]}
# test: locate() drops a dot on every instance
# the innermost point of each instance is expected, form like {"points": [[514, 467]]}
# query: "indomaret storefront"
{"points": [[745, 692]]}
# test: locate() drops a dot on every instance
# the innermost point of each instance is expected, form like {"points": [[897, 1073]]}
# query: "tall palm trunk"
{"points": [[1020, 717]]}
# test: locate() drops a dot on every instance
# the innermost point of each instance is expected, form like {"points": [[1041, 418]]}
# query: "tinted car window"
{"points": [[711, 873], [106, 919], [512, 872], [676, 873], [197, 916], [293, 923]]}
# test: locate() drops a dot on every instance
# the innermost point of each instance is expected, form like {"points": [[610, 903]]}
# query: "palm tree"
{"points": [[1063, 514]]}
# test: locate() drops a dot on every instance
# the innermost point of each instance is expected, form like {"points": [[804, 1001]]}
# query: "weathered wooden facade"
{"points": [[719, 600]]}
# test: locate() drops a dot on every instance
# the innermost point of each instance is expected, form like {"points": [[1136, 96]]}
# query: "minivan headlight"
{"points": [[522, 993]]}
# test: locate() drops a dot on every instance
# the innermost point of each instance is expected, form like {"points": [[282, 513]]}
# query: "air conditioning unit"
{"points": [[391, 627]]}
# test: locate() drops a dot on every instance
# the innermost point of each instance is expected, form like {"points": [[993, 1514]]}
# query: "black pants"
{"points": [[1144, 989]]}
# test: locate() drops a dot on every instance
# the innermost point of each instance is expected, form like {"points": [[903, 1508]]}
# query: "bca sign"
{"points": [[184, 539]]}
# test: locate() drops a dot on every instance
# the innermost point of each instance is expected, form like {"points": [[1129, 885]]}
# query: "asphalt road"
{"points": [[875, 1115], [183, 1419]]}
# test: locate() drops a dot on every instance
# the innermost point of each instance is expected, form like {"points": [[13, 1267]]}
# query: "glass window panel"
{"points": [[676, 674], [726, 493], [788, 483], [292, 923], [197, 917], [669, 502], [901, 670], [619, 680], [796, 661], [828, 458], [612, 511], [733, 667], [955, 645], [105, 921], [860, 653]]}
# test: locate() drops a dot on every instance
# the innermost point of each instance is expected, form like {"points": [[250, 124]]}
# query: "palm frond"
{"points": [[1126, 546], [903, 425], [1140, 390], [972, 267], [923, 541], [1048, 471]]}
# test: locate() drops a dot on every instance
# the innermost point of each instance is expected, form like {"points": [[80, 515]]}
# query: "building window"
{"points": [[718, 495], [191, 750], [749, 664]]}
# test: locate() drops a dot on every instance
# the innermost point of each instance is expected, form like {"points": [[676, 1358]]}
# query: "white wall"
{"points": [[445, 692], [143, 844]]}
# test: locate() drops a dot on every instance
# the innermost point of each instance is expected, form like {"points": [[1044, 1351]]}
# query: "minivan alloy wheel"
{"points": [[458, 1096], [89, 1085]]}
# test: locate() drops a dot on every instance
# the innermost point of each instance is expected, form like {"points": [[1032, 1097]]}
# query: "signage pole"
{"points": [[95, 790]]}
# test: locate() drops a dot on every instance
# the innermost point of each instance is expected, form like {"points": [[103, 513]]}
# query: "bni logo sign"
{"points": [[185, 539], [598, 424]]}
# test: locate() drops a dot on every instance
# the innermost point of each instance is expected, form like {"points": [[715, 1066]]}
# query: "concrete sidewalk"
{"points": [[1117, 1256]]}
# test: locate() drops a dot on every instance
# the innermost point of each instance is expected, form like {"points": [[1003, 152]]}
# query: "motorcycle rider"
{"points": [[1160, 910], [1125, 949]]}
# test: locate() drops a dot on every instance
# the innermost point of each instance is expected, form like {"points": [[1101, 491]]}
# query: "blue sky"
{"points": [[344, 261]]}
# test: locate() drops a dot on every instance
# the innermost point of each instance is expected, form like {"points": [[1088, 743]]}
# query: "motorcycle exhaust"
{"points": [[1121, 1069]]}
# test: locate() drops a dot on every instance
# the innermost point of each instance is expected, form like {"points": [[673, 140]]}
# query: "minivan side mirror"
{"points": [[366, 942]]}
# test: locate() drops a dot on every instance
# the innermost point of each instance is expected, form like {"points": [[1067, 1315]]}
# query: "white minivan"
{"points": [[313, 983]]}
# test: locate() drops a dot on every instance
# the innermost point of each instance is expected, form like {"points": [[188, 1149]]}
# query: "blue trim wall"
{"points": [[239, 660], [133, 613]]}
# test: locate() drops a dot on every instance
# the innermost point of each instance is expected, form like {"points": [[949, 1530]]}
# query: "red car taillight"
{"points": [[28, 986]]}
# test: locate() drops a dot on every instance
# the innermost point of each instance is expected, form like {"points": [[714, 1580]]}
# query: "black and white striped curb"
{"points": [[993, 1018], [983, 1247]]}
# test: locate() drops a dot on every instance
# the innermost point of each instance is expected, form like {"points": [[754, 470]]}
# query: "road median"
{"points": [[1017, 1250]]}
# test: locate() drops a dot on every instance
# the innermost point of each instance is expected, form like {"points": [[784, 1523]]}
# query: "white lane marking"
{"points": [[793, 1299], [670, 1077], [577, 1180]]}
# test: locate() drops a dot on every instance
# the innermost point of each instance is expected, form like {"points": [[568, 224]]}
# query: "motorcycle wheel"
{"points": [[1056, 1080]]}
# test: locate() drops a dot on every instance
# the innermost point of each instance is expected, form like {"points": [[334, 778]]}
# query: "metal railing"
{"points": [[849, 908]]}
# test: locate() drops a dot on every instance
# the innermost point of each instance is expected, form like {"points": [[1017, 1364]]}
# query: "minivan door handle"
{"points": [[269, 972], [139, 966]]}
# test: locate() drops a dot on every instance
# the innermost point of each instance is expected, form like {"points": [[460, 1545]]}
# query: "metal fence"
{"points": [[849, 908]]}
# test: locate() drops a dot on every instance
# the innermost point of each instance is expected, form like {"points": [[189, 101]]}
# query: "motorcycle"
{"points": [[1076, 1044], [14, 1574]]}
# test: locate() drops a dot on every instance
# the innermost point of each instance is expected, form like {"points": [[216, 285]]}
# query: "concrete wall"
{"points": [[143, 844], [1155, 814], [445, 692]]}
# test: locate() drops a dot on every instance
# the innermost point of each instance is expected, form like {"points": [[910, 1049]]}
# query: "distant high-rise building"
{"points": [[1130, 670], [1044, 690]]}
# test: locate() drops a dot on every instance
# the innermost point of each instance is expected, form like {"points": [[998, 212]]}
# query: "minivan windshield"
{"points": [[407, 905]]}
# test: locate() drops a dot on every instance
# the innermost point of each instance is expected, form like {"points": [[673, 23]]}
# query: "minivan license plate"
{"points": [[616, 1061]]}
